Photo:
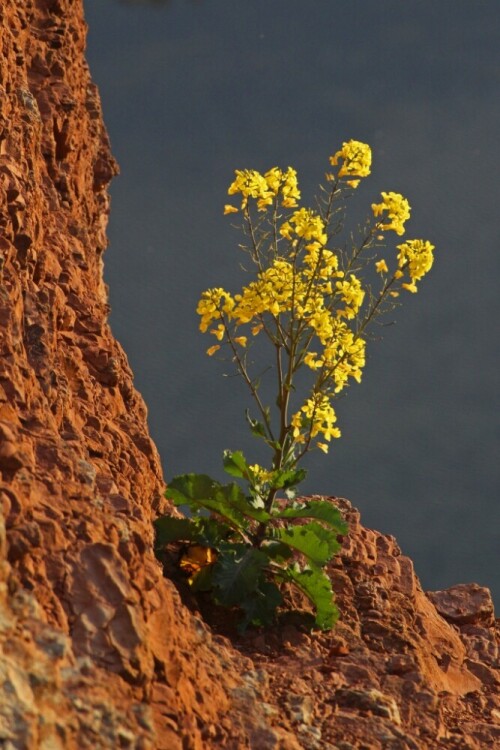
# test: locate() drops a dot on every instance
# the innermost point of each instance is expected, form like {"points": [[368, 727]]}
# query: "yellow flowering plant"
{"points": [[311, 302]]}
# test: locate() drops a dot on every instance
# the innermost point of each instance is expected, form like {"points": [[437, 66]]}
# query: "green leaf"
{"points": [[237, 572], [235, 464], [318, 588], [189, 489], [313, 540], [260, 607], [234, 496], [220, 505], [323, 510], [170, 529], [276, 550], [288, 478], [200, 491], [256, 427]]}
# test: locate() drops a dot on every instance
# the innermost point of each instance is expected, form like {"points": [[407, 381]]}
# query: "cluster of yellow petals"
{"points": [[265, 188], [381, 266], [272, 292], [213, 302], [306, 224], [315, 417], [261, 475], [396, 208], [352, 293], [313, 290], [305, 284], [343, 355], [416, 256], [356, 161]]}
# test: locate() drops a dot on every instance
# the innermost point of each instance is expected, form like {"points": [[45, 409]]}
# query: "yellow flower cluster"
{"points": [[320, 262], [397, 209], [261, 475], [265, 188], [300, 296], [306, 290], [212, 304], [305, 224], [417, 257], [343, 356], [273, 292], [356, 161], [315, 417], [352, 294]]}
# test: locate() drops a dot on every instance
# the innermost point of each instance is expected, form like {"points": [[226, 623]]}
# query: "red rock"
{"points": [[464, 604], [97, 646]]}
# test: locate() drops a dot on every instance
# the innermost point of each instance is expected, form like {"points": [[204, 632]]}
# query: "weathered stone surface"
{"points": [[464, 604], [91, 633], [97, 650]]}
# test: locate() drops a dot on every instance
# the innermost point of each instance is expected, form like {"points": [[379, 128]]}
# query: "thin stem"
{"points": [[247, 379]]}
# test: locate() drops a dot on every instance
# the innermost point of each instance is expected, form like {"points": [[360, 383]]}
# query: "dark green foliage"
{"points": [[255, 549]]}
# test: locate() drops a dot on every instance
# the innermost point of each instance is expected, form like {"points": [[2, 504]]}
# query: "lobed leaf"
{"points": [[189, 489], [235, 464], [199, 491], [260, 607], [323, 510], [288, 478], [237, 572], [170, 529], [316, 585], [312, 540], [234, 496]]}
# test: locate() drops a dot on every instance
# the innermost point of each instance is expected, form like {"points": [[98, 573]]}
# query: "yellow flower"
{"points": [[219, 332], [290, 189], [296, 423], [308, 225], [241, 340], [261, 475], [251, 184], [211, 350], [381, 266], [356, 160], [213, 303], [410, 287], [398, 274], [228, 209], [274, 178], [320, 417], [417, 256], [286, 230], [398, 211], [312, 361], [352, 294], [323, 447], [256, 329]]}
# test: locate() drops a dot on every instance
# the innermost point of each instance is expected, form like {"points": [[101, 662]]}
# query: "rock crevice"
{"points": [[97, 648]]}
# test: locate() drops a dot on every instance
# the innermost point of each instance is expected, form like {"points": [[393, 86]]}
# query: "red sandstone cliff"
{"points": [[98, 650]]}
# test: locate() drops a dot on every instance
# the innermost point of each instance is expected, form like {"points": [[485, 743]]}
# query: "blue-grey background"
{"points": [[194, 89]]}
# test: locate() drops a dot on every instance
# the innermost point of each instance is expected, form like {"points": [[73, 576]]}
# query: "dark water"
{"points": [[193, 90]]}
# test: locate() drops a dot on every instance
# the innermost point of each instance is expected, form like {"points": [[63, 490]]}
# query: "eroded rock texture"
{"points": [[96, 645], [97, 650]]}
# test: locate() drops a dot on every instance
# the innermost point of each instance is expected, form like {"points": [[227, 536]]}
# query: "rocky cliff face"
{"points": [[98, 650]]}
